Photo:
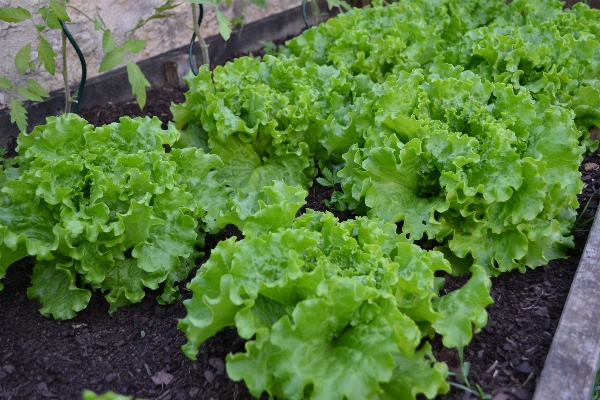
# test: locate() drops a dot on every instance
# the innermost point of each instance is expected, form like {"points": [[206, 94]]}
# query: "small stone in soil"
{"points": [[111, 377], [209, 376], [43, 389], [9, 368]]}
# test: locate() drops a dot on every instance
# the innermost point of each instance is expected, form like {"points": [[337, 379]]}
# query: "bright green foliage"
{"points": [[138, 82], [535, 45], [14, 14], [262, 118], [402, 36], [491, 174], [477, 161], [254, 213], [532, 45], [331, 310], [89, 395], [103, 208]]}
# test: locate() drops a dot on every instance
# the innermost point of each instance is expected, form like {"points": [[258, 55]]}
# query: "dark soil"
{"points": [[136, 351]]}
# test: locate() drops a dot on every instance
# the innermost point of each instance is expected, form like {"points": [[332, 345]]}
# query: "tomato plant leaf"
{"points": [[18, 114], [37, 89], [25, 92], [108, 42], [138, 82], [112, 59], [46, 55], [22, 58], [5, 83], [49, 18], [224, 25], [14, 14], [260, 3], [59, 11], [134, 45]]}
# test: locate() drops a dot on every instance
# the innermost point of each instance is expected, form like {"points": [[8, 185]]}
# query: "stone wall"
{"points": [[120, 16]]}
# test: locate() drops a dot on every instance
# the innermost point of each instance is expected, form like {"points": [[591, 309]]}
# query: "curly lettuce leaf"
{"points": [[265, 211], [53, 284]]}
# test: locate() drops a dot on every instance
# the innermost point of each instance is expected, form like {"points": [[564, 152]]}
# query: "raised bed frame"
{"points": [[574, 357], [572, 362]]}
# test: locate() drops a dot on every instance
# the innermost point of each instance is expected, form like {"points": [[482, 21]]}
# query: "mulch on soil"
{"points": [[136, 351]]}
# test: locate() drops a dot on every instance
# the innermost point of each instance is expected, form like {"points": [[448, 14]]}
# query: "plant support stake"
{"points": [[304, 17], [203, 45], [67, 34]]}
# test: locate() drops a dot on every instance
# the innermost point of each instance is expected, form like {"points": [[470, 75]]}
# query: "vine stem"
{"points": [[65, 72], [203, 45]]}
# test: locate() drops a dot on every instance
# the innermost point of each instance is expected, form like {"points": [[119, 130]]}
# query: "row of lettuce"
{"points": [[457, 128]]}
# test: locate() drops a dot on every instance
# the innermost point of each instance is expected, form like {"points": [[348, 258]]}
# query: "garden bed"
{"points": [[136, 351]]}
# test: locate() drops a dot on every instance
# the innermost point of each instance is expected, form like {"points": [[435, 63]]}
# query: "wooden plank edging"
{"points": [[570, 369]]}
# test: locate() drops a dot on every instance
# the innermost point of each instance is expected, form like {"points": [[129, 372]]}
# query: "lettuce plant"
{"points": [[488, 174], [376, 41], [104, 208], [262, 118], [330, 309], [539, 47]]}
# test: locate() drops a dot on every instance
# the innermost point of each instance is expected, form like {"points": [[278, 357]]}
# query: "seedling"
{"points": [[330, 177], [465, 366]]}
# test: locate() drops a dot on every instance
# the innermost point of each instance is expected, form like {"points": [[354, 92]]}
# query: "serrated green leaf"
{"points": [[134, 45], [5, 83], [50, 18], [59, 11], [327, 174], [18, 114], [97, 24], [108, 42], [324, 182], [46, 55], [22, 58], [260, 3], [25, 92], [112, 59], [37, 89], [169, 5], [338, 3], [138, 82], [14, 14], [224, 25], [40, 28]]}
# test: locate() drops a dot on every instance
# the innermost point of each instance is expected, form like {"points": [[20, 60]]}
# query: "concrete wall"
{"points": [[120, 16]]}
